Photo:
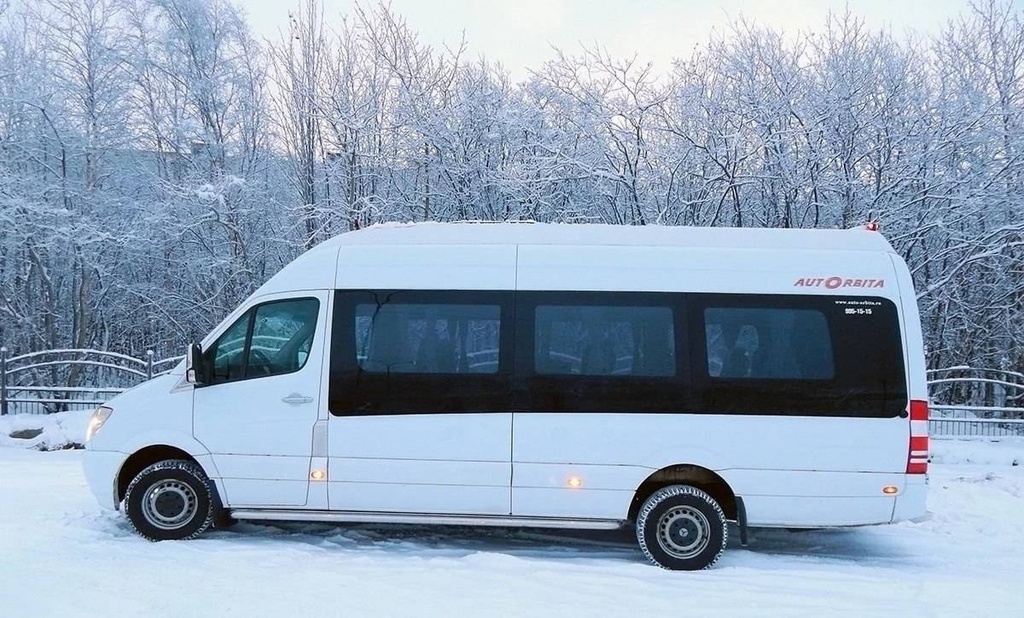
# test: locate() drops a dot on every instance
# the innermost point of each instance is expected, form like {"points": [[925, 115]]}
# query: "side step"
{"points": [[369, 517]]}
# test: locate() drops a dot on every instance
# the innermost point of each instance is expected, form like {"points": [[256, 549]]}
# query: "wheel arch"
{"points": [[695, 475], [145, 457], [153, 453], [152, 446]]}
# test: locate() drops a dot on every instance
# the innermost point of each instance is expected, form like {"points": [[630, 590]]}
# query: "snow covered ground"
{"points": [[61, 555], [55, 431]]}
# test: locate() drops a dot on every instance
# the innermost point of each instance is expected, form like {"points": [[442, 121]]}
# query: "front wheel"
{"points": [[169, 500], [681, 528]]}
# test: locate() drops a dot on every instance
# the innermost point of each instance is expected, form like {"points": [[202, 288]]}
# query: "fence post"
{"points": [[149, 364], [3, 381]]}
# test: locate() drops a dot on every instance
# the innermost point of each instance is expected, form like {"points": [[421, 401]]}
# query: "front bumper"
{"points": [[101, 469]]}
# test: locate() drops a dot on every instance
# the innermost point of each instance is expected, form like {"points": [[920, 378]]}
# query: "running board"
{"points": [[368, 517]]}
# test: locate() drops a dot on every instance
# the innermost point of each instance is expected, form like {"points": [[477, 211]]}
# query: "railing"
{"points": [[976, 402], [959, 421], [60, 380]]}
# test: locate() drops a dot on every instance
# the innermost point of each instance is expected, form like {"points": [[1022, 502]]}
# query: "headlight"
{"points": [[96, 421]]}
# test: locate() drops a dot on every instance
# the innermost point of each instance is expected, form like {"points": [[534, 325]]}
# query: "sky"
{"points": [[520, 34]]}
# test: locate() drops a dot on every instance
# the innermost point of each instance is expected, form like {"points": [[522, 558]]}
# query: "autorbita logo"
{"points": [[833, 283]]}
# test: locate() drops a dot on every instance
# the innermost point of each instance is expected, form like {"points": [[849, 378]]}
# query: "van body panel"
{"points": [[806, 456], [422, 463], [101, 470], [912, 499], [150, 413], [254, 435], [424, 499], [687, 269], [817, 512], [415, 267], [583, 502], [313, 270], [716, 442]]}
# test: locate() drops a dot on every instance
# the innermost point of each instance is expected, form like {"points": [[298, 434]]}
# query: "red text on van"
{"points": [[833, 283]]}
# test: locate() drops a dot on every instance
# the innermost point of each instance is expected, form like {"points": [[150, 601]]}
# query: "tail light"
{"points": [[917, 451], [919, 411]]}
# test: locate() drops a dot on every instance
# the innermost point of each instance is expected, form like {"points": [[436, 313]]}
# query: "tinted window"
{"points": [[604, 341], [599, 352], [784, 344], [427, 338], [414, 352], [797, 355]]}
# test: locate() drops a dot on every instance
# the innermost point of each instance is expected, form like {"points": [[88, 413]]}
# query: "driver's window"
{"points": [[271, 339], [229, 351], [281, 336]]}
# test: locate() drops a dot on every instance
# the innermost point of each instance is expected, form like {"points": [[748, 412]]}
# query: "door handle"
{"points": [[296, 399]]}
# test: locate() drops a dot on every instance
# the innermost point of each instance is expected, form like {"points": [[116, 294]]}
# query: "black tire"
{"points": [[169, 501], [681, 528]]}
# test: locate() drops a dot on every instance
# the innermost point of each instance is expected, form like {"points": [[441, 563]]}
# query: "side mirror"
{"points": [[195, 368]]}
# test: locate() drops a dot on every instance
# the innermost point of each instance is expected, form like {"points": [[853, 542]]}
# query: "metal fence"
{"points": [[959, 422], [965, 401], [61, 380]]}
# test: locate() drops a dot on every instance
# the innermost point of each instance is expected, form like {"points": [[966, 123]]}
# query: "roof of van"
{"points": [[527, 233]]}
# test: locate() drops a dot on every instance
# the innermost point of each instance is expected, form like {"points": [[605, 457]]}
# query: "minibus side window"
{"points": [[800, 355], [770, 343], [427, 338], [604, 341], [271, 339], [421, 352], [614, 352]]}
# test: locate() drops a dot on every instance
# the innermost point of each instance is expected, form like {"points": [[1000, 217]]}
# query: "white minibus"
{"points": [[543, 375]]}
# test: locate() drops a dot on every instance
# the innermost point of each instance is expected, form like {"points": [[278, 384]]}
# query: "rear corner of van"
{"points": [[911, 501]]}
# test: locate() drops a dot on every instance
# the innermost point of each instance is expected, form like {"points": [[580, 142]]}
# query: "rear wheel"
{"points": [[681, 528], [169, 500]]}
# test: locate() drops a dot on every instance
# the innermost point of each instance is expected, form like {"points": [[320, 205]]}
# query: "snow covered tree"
{"points": [[157, 162]]}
